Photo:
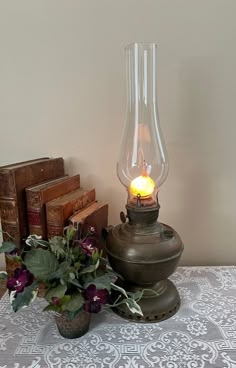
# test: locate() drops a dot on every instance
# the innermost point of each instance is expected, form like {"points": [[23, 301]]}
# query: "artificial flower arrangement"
{"points": [[70, 269]]}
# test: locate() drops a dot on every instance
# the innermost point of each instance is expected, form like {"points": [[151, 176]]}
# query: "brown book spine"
{"points": [[57, 215], [13, 181], [7, 184], [38, 196], [8, 207], [9, 220], [95, 215], [35, 213]]}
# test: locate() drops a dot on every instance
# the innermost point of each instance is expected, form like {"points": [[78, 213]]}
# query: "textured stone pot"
{"points": [[71, 329]]}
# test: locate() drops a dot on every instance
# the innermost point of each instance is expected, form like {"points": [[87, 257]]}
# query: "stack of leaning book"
{"points": [[37, 197]]}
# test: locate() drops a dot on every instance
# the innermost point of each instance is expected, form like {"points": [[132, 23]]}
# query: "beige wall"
{"points": [[62, 92]]}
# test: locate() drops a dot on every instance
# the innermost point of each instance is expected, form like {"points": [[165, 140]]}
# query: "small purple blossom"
{"points": [[20, 280], [88, 246], [56, 300], [13, 254], [92, 230], [95, 298], [92, 241]]}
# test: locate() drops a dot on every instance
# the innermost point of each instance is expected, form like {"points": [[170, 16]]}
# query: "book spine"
{"points": [[34, 212], [55, 220], [30, 175], [7, 184], [57, 216], [9, 221], [54, 230], [8, 208], [13, 182], [78, 203], [36, 200]]}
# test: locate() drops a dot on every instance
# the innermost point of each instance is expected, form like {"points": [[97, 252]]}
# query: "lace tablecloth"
{"points": [[201, 334]]}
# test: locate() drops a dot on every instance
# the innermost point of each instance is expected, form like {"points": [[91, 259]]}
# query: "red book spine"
{"points": [[34, 218]]}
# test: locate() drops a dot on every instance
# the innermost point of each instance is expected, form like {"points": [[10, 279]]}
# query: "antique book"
{"points": [[60, 209], [38, 195], [95, 215], [14, 179]]}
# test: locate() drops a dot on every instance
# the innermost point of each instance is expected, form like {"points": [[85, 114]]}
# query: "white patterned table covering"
{"points": [[202, 333]]}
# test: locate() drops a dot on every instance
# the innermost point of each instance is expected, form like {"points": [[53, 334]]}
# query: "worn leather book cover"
{"points": [[38, 195], [60, 209], [96, 215], [14, 179]]}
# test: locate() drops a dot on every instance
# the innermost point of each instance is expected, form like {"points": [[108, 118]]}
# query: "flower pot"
{"points": [[71, 329]]}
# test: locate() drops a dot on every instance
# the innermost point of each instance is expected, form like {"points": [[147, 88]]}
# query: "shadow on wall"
{"points": [[197, 127], [200, 151], [197, 121]]}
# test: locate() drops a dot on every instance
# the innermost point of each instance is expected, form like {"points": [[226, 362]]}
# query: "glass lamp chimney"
{"points": [[143, 164]]}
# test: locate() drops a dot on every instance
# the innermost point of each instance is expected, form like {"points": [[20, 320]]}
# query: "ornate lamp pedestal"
{"points": [[145, 253]]}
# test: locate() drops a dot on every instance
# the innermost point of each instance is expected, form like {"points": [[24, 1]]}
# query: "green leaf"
{"points": [[76, 302], [101, 282], [58, 292], [77, 265], [3, 275], [95, 256], [78, 254], [60, 272], [137, 295], [7, 247], [76, 283], [72, 276], [43, 243], [133, 306], [70, 232], [72, 315], [57, 245], [25, 298], [41, 263], [89, 269], [35, 240], [65, 299], [51, 307], [120, 289]]}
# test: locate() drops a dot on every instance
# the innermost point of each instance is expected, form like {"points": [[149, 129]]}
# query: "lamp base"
{"points": [[156, 306], [145, 253]]}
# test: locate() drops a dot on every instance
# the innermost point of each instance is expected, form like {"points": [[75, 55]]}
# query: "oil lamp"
{"points": [[143, 251]]}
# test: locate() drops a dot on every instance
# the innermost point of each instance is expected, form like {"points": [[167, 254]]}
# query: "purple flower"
{"points": [[92, 230], [88, 246], [13, 254], [56, 300], [20, 280], [94, 298]]}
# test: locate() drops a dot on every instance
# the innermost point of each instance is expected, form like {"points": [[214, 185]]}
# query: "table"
{"points": [[202, 333]]}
